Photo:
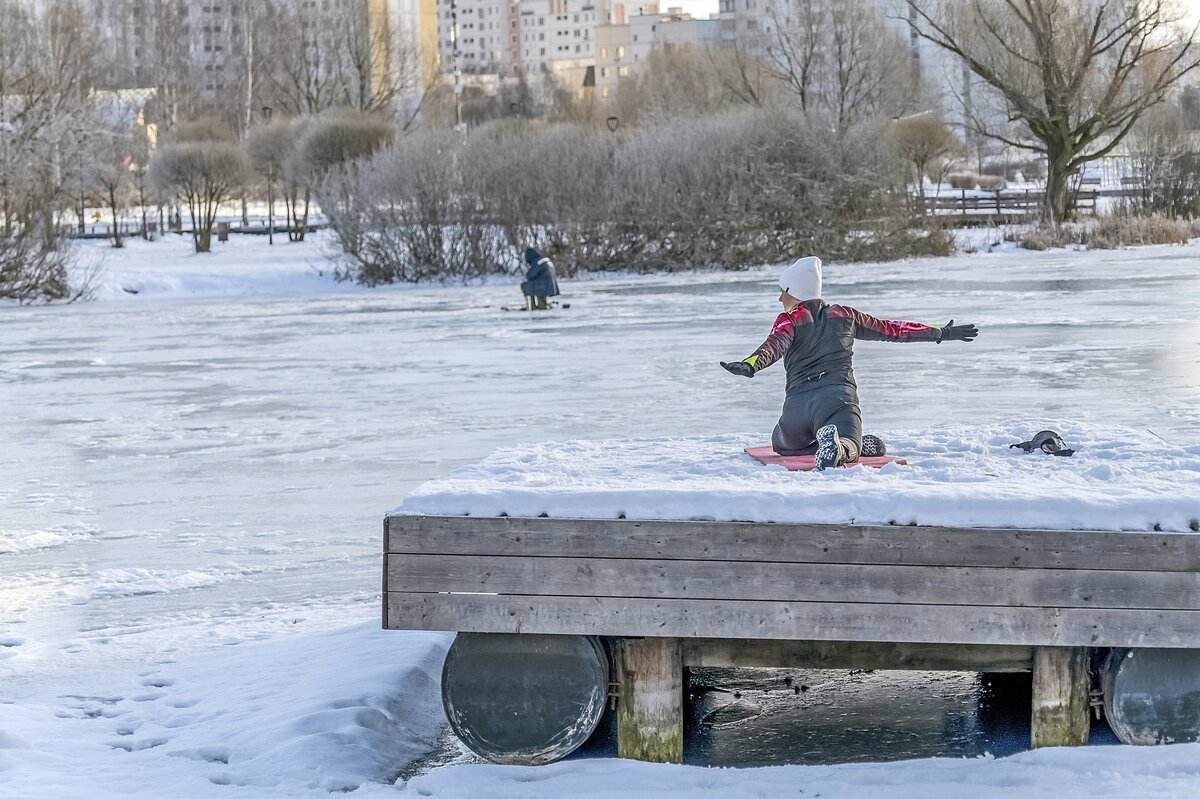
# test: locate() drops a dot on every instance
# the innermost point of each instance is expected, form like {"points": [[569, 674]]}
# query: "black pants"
{"points": [[807, 412]]}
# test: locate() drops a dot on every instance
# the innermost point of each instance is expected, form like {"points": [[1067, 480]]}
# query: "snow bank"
{"points": [[308, 714], [1164, 772], [242, 266], [1119, 479]]}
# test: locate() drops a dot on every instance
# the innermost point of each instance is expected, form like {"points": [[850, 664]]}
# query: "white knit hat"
{"points": [[803, 279]]}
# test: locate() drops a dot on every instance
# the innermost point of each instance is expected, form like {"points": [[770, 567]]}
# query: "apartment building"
{"points": [[499, 40], [625, 46], [205, 44]]}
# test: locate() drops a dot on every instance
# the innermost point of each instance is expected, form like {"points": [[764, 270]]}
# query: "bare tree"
{"points": [[1166, 157], [685, 81], [312, 58], [923, 139], [113, 180], [1075, 74], [869, 65], [740, 72], [840, 59], [297, 46], [203, 174], [296, 182], [366, 60], [47, 58], [169, 59], [114, 152], [795, 44]]}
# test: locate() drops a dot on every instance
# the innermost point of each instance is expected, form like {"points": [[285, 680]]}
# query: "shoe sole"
{"points": [[827, 448]]}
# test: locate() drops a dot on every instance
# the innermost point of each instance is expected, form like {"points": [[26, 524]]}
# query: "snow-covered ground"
{"points": [[193, 479]]}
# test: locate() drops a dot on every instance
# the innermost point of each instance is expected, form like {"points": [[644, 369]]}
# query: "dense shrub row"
{"points": [[728, 191]]}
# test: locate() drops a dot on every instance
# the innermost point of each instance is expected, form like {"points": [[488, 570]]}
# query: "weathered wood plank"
{"points": [[650, 708], [822, 621], [387, 535], [794, 582], [734, 653], [794, 543], [1060, 697]]}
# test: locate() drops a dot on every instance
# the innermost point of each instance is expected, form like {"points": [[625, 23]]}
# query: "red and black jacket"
{"points": [[816, 342]]}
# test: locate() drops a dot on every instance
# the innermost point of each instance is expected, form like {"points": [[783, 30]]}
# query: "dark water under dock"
{"points": [[771, 717]]}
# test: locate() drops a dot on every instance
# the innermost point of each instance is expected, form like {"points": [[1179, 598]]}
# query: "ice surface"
{"points": [[193, 480]]}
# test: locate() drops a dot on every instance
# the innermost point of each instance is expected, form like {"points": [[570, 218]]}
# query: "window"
{"points": [[604, 92], [622, 72], [604, 52], [604, 72], [621, 52]]}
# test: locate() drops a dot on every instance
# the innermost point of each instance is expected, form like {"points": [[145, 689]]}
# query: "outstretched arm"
{"points": [[868, 328], [769, 351]]}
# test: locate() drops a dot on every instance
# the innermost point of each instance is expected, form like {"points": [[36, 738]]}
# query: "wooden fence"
{"points": [[1001, 207]]}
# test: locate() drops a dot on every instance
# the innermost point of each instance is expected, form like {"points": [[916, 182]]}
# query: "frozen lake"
{"points": [[183, 473]]}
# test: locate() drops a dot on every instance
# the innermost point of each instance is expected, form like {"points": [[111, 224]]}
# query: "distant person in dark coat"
{"points": [[540, 281]]}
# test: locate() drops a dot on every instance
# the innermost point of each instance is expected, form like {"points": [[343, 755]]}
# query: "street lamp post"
{"points": [[5, 129], [82, 203], [266, 109]]}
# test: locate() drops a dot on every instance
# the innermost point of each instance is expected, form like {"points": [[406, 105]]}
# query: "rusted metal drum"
{"points": [[1152, 696], [524, 699]]}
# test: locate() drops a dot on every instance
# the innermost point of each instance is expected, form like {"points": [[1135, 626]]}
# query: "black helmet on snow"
{"points": [[1047, 441]]}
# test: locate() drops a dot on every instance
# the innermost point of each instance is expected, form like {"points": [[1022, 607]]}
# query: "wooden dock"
{"points": [[666, 595]]}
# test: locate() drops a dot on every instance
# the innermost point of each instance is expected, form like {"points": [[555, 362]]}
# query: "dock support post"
{"points": [[650, 709], [1060, 696]]}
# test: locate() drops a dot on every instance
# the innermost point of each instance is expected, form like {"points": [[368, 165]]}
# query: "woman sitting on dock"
{"points": [[820, 415]]}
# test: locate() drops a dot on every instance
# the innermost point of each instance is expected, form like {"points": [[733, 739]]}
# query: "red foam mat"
{"points": [[804, 463]]}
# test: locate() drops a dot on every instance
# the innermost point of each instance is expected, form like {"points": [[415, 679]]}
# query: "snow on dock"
{"points": [[957, 476]]}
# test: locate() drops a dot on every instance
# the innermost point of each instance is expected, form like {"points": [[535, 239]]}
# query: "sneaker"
{"points": [[872, 447], [829, 448]]}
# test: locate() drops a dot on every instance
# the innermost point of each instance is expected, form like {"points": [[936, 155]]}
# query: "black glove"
{"points": [[953, 332], [739, 368]]}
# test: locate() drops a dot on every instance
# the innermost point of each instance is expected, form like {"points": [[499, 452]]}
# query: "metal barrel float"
{"points": [[1152, 696], [521, 699]]}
